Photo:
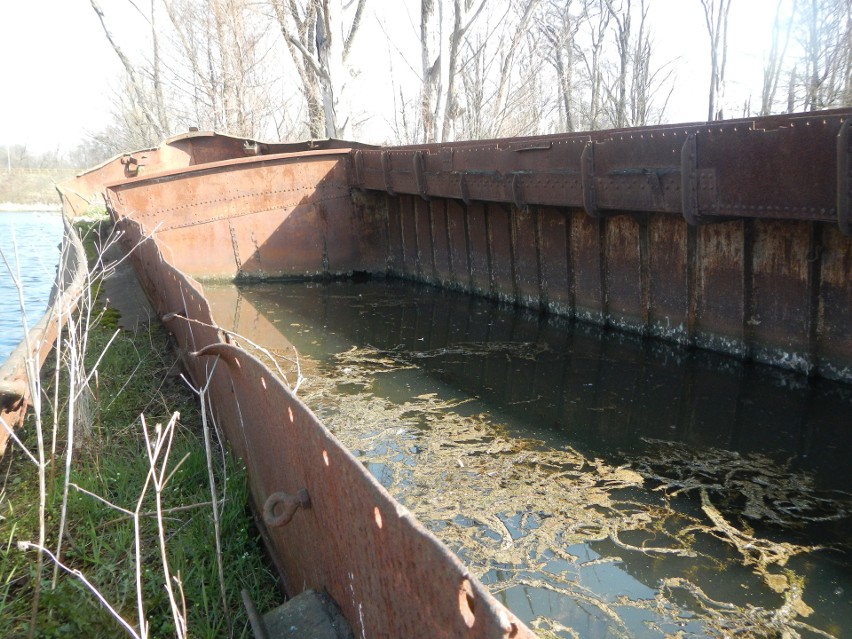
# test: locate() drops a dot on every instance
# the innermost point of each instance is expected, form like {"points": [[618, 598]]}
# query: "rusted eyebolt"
{"points": [[288, 505]]}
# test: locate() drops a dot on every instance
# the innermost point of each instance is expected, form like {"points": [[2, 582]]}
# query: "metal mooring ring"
{"points": [[288, 505]]}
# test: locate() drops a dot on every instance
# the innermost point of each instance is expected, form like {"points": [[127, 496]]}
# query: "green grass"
{"points": [[139, 374]]}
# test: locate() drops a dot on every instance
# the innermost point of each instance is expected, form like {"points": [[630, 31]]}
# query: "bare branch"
{"points": [[356, 22], [141, 100]]}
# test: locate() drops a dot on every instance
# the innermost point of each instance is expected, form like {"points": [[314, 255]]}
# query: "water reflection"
{"points": [[766, 447]]}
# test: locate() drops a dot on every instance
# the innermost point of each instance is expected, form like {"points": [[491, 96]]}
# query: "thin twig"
{"points": [[18, 441], [254, 345], [34, 382], [202, 393], [24, 545], [101, 499], [69, 447], [164, 445]]}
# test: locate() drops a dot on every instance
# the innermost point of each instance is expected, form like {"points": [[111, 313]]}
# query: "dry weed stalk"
{"points": [[70, 352], [254, 348], [34, 384], [211, 478]]}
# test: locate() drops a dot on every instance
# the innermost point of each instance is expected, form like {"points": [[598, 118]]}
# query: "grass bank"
{"points": [[129, 493]]}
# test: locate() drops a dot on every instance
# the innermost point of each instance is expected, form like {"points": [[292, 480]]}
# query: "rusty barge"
{"points": [[732, 236]]}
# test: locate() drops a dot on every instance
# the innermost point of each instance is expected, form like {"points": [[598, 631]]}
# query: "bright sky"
{"points": [[54, 62], [57, 69]]}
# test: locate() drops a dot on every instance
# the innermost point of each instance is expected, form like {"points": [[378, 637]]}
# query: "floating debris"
{"points": [[512, 507], [768, 492]]}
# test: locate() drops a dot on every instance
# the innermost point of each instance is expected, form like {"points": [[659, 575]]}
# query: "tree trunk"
{"points": [[319, 45], [775, 61], [442, 33], [716, 19]]}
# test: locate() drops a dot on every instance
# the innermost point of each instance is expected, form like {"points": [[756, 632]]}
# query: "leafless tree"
{"points": [[716, 18], [320, 42], [130, 128], [207, 66], [812, 50], [781, 30], [141, 96], [510, 42], [559, 27], [499, 73], [827, 42], [650, 85], [472, 69], [219, 65], [621, 16], [444, 24], [604, 62], [156, 71], [595, 28]]}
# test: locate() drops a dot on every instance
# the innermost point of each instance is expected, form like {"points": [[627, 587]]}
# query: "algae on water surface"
{"points": [[580, 530]]}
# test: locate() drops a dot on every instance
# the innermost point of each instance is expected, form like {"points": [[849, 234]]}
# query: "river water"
{"points": [[35, 238], [599, 484]]}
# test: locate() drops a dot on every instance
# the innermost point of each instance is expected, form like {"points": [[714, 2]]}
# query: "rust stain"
{"points": [[611, 240]]}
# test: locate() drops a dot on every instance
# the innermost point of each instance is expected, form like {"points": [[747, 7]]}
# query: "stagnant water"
{"points": [[599, 484]]}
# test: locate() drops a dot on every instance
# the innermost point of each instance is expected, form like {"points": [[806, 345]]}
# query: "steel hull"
{"points": [[715, 236]]}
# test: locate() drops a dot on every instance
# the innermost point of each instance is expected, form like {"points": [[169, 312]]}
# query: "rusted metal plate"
{"points": [[639, 171], [667, 278], [833, 256], [410, 244], [370, 226], [510, 219], [844, 177], [780, 294], [718, 306], [587, 269], [200, 147], [457, 238], [479, 257], [553, 225], [425, 241], [499, 230], [623, 272], [390, 577], [744, 168], [760, 172], [441, 242], [273, 216], [395, 251], [478, 231], [526, 249]]}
